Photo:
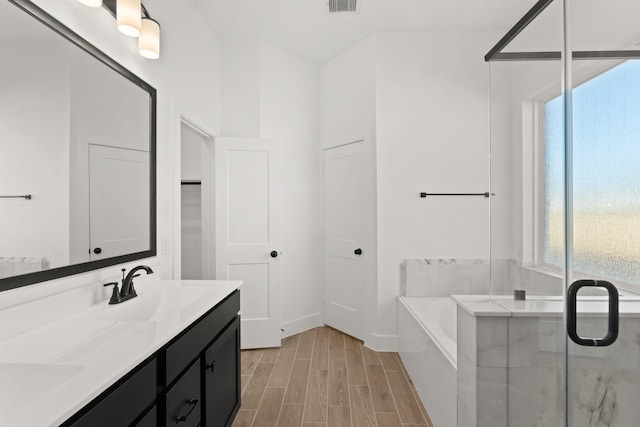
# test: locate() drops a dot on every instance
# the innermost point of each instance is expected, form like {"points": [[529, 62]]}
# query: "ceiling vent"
{"points": [[343, 6]]}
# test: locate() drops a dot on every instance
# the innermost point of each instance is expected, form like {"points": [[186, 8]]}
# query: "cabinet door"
{"points": [[222, 377], [183, 400], [149, 420]]}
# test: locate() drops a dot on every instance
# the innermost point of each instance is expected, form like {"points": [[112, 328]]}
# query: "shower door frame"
{"points": [[567, 56]]}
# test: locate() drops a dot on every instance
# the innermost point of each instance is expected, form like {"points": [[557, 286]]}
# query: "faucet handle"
{"points": [[115, 296]]}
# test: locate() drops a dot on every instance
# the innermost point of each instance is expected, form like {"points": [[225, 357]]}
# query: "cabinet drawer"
{"points": [[183, 400], [121, 406], [190, 344]]}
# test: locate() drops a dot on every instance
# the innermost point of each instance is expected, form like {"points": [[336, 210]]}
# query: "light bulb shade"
{"points": [[91, 3], [129, 17], [149, 41]]}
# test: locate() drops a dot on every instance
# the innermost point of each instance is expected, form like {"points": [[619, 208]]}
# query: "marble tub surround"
{"points": [[13, 266], [514, 364], [51, 371], [445, 277], [482, 365]]}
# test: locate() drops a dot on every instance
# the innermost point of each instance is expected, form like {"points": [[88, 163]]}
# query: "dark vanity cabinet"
{"points": [[194, 380], [222, 377], [125, 402], [184, 400]]}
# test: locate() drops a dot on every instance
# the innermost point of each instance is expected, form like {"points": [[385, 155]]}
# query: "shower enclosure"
{"points": [[565, 214]]}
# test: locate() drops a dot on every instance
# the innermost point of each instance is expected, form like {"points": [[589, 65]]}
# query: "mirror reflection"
{"points": [[75, 140]]}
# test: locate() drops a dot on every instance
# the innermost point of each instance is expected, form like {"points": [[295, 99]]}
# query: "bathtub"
{"points": [[427, 332]]}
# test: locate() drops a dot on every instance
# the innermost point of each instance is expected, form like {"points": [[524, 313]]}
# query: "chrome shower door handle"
{"points": [[614, 313]]}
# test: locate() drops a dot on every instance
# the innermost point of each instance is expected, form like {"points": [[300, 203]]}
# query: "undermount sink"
{"points": [[151, 305], [25, 382]]}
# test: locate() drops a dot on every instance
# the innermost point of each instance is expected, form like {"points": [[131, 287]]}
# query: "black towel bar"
{"points": [[424, 195]]}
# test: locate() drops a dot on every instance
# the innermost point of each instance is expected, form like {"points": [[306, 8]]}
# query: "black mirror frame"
{"points": [[56, 273]]}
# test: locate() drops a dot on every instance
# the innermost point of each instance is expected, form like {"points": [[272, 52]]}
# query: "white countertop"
{"points": [[542, 306], [49, 373]]}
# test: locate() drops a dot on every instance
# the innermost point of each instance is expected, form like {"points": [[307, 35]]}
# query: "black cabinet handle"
{"points": [[97, 251], [211, 366], [358, 251], [274, 254], [614, 316], [192, 405]]}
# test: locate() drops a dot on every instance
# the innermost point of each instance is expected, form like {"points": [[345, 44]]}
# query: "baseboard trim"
{"points": [[382, 343], [302, 324]]}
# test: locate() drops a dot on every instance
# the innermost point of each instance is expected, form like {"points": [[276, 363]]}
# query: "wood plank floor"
{"points": [[323, 377]]}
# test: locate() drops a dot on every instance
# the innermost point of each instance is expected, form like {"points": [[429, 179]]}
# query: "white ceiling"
{"points": [[302, 27]]}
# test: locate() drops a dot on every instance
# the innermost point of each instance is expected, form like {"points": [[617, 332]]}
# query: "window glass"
{"points": [[606, 187]]}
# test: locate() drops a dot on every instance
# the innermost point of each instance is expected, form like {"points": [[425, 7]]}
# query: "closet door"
{"points": [[344, 249], [247, 206]]}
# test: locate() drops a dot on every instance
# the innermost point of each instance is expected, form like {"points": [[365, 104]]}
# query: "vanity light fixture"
{"points": [[129, 17], [149, 41], [91, 3], [133, 19]]}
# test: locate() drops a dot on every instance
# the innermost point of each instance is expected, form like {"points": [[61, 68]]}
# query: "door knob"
{"points": [[97, 251], [274, 254], [358, 251]]}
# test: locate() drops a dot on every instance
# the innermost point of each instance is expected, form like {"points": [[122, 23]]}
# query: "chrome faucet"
{"points": [[127, 291]]}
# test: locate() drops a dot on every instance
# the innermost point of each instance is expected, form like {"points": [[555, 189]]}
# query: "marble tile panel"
{"points": [[481, 278], [466, 333], [492, 339], [623, 354], [403, 278], [454, 279], [422, 279], [536, 397], [601, 397], [492, 397], [6, 268], [536, 342], [482, 396], [501, 281], [467, 393]]}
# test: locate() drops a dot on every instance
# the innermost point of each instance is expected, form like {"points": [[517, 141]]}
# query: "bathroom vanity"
{"points": [[171, 356]]}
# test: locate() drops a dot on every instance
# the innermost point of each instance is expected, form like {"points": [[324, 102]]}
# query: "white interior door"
{"points": [[118, 201], [344, 189], [247, 233]]}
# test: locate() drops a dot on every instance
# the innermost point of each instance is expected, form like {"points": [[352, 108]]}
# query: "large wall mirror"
{"points": [[77, 157]]}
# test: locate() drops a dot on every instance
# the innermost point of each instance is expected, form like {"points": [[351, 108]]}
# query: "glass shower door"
{"points": [[565, 218], [603, 214]]}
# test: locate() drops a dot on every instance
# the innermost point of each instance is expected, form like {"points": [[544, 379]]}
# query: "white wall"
{"points": [[241, 89], [272, 94], [431, 134], [348, 94], [187, 77], [34, 143]]}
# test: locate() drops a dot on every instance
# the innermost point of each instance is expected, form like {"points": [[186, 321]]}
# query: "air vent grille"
{"points": [[341, 6]]}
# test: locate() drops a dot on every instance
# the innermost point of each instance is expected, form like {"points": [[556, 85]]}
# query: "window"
{"points": [[606, 176]]}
